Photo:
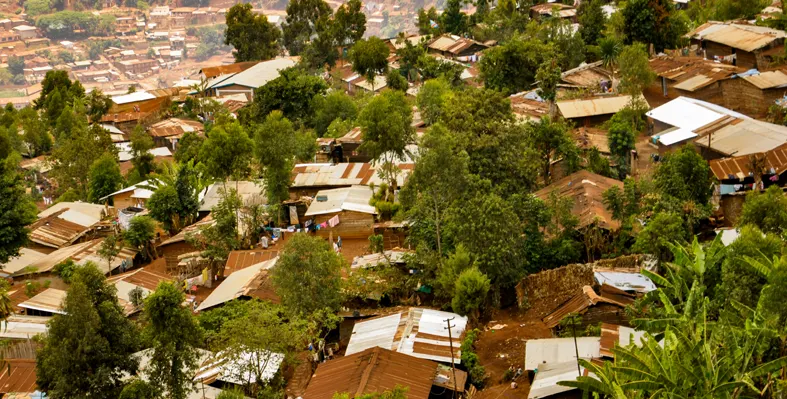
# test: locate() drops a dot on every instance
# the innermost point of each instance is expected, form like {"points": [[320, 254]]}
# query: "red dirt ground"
{"points": [[498, 349]]}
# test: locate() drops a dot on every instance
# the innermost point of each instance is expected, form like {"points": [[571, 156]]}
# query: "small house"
{"points": [[455, 47], [251, 282], [343, 212], [692, 77], [249, 80], [586, 189], [134, 196], [754, 92], [743, 45], [594, 110], [553, 10], [66, 223], [168, 132]]}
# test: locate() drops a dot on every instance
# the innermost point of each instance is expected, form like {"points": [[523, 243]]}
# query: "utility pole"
{"points": [[451, 342]]}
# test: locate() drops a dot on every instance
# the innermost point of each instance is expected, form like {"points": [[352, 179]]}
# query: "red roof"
{"points": [[21, 378]]}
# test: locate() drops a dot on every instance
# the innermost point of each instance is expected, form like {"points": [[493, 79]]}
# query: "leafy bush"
{"points": [[471, 361]]}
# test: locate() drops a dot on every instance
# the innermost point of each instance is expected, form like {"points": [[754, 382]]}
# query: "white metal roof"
{"points": [[676, 136], [545, 382], [246, 190], [355, 198], [625, 281], [600, 105], [132, 97], [24, 327], [234, 369], [111, 128], [690, 114], [372, 260], [138, 191], [746, 137], [236, 285], [560, 350], [374, 332]]}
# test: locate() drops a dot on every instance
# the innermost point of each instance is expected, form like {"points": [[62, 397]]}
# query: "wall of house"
{"points": [[233, 89], [711, 93], [713, 49], [742, 96], [351, 225], [124, 200], [604, 313]]}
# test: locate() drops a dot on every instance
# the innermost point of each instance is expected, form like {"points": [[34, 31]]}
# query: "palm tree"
{"points": [[610, 50]]}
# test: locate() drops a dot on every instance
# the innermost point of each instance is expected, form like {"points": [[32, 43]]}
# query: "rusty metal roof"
{"points": [[340, 175], [241, 283], [80, 253], [737, 137], [738, 36], [692, 73], [417, 332], [599, 105], [585, 299], [588, 75], [586, 189], [374, 370], [19, 377], [767, 80], [143, 278], [213, 71], [773, 161], [238, 260], [55, 232], [546, 8], [50, 300]]}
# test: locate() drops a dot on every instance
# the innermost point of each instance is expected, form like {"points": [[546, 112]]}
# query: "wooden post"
{"points": [[451, 342]]}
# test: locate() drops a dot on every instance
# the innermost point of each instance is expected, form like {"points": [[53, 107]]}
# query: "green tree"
{"points": [[176, 205], [36, 136], [109, 249], [369, 58], [259, 337], [175, 337], [684, 175], [97, 105], [217, 240], [552, 140], [250, 34], [188, 147], [431, 99], [386, 126], [438, 180], [277, 145], [141, 158], [291, 93], [511, 67], [621, 139], [453, 20], [140, 233], [105, 178], [71, 163], [16, 65], [425, 20], [591, 20], [767, 211], [395, 81], [635, 72], [739, 281], [652, 22], [472, 286], [139, 389], [227, 151], [548, 77], [301, 23], [88, 348], [661, 230], [17, 211], [349, 23], [725, 10], [332, 106], [307, 275]]}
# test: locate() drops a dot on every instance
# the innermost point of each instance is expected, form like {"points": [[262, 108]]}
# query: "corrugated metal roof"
{"points": [[586, 189], [258, 75], [694, 83], [420, 333], [17, 263], [52, 231], [50, 300], [744, 137], [341, 174], [94, 211], [612, 334], [80, 253], [18, 377], [560, 350], [373, 370], [767, 80], [625, 281], [355, 199], [143, 278], [238, 260], [586, 298], [234, 370], [545, 382], [675, 136], [690, 114], [238, 284], [193, 229], [24, 327], [602, 105], [739, 36], [774, 162], [245, 189]]}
